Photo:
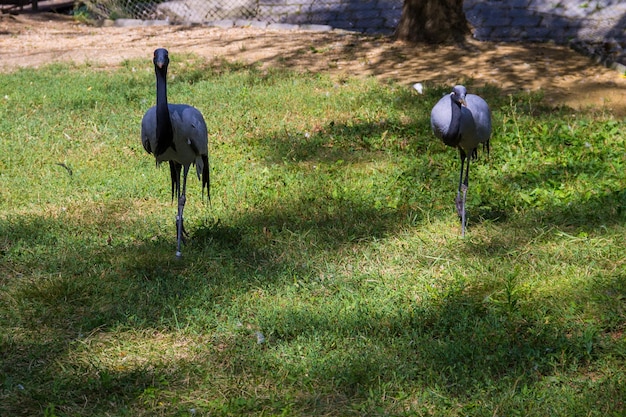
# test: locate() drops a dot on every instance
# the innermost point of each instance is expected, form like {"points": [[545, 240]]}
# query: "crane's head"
{"points": [[458, 94], [161, 58]]}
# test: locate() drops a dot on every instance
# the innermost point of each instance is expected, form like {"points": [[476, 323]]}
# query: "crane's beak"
{"points": [[462, 101]]}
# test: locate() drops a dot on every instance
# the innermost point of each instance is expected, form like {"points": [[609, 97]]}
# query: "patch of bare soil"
{"points": [[565, 76]]}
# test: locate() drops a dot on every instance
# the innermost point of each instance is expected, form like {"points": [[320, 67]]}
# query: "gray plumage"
{"points": [[462, 121], [176, 133]]}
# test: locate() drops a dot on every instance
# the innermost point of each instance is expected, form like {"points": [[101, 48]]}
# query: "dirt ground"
{"points": [[565, 76]]}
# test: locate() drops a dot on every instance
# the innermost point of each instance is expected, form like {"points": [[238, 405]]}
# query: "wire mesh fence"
{"points": [[198, 11], [378, 16], [176, 11]]}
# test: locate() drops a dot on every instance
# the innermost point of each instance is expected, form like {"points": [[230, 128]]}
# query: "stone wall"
{"points": [[593, 27], [367, 16], [541, 20]]}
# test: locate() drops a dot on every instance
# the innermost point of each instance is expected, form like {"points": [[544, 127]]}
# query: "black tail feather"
{"points": [[206, 179], [175, 168]]}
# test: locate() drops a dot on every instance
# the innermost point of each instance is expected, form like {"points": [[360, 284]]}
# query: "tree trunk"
{"points": [[432, 21]]}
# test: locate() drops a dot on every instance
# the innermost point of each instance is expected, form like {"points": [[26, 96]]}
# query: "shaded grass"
{"points": [[327, 276]]}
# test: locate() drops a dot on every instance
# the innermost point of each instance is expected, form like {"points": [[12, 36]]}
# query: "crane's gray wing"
{"points": [[148, 130], [191, 138], [441, 116], [481, 115], [190, 127]]}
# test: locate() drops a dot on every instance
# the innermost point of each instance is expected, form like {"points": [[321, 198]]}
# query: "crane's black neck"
{"points": [[453, 135], [164, 131]]}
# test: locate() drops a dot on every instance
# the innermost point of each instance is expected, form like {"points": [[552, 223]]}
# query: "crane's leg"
{"points": [[464, 187], [462, 191], [458, 200], [180, 228]]}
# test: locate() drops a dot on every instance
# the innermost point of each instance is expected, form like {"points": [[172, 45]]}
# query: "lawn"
{"points": [[327, 275]]}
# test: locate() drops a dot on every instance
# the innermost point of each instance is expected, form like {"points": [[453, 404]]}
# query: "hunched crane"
{"points": [[176, 133], [462, 121]]}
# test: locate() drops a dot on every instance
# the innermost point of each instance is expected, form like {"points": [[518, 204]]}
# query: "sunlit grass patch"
{"points": [[327, 275]]}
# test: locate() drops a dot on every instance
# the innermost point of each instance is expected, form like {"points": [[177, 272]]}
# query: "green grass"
{"points": [[327, 276]]}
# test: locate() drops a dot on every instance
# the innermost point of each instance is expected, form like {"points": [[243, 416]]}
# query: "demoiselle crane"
{"points": [[462, 121], [176, 133]]}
